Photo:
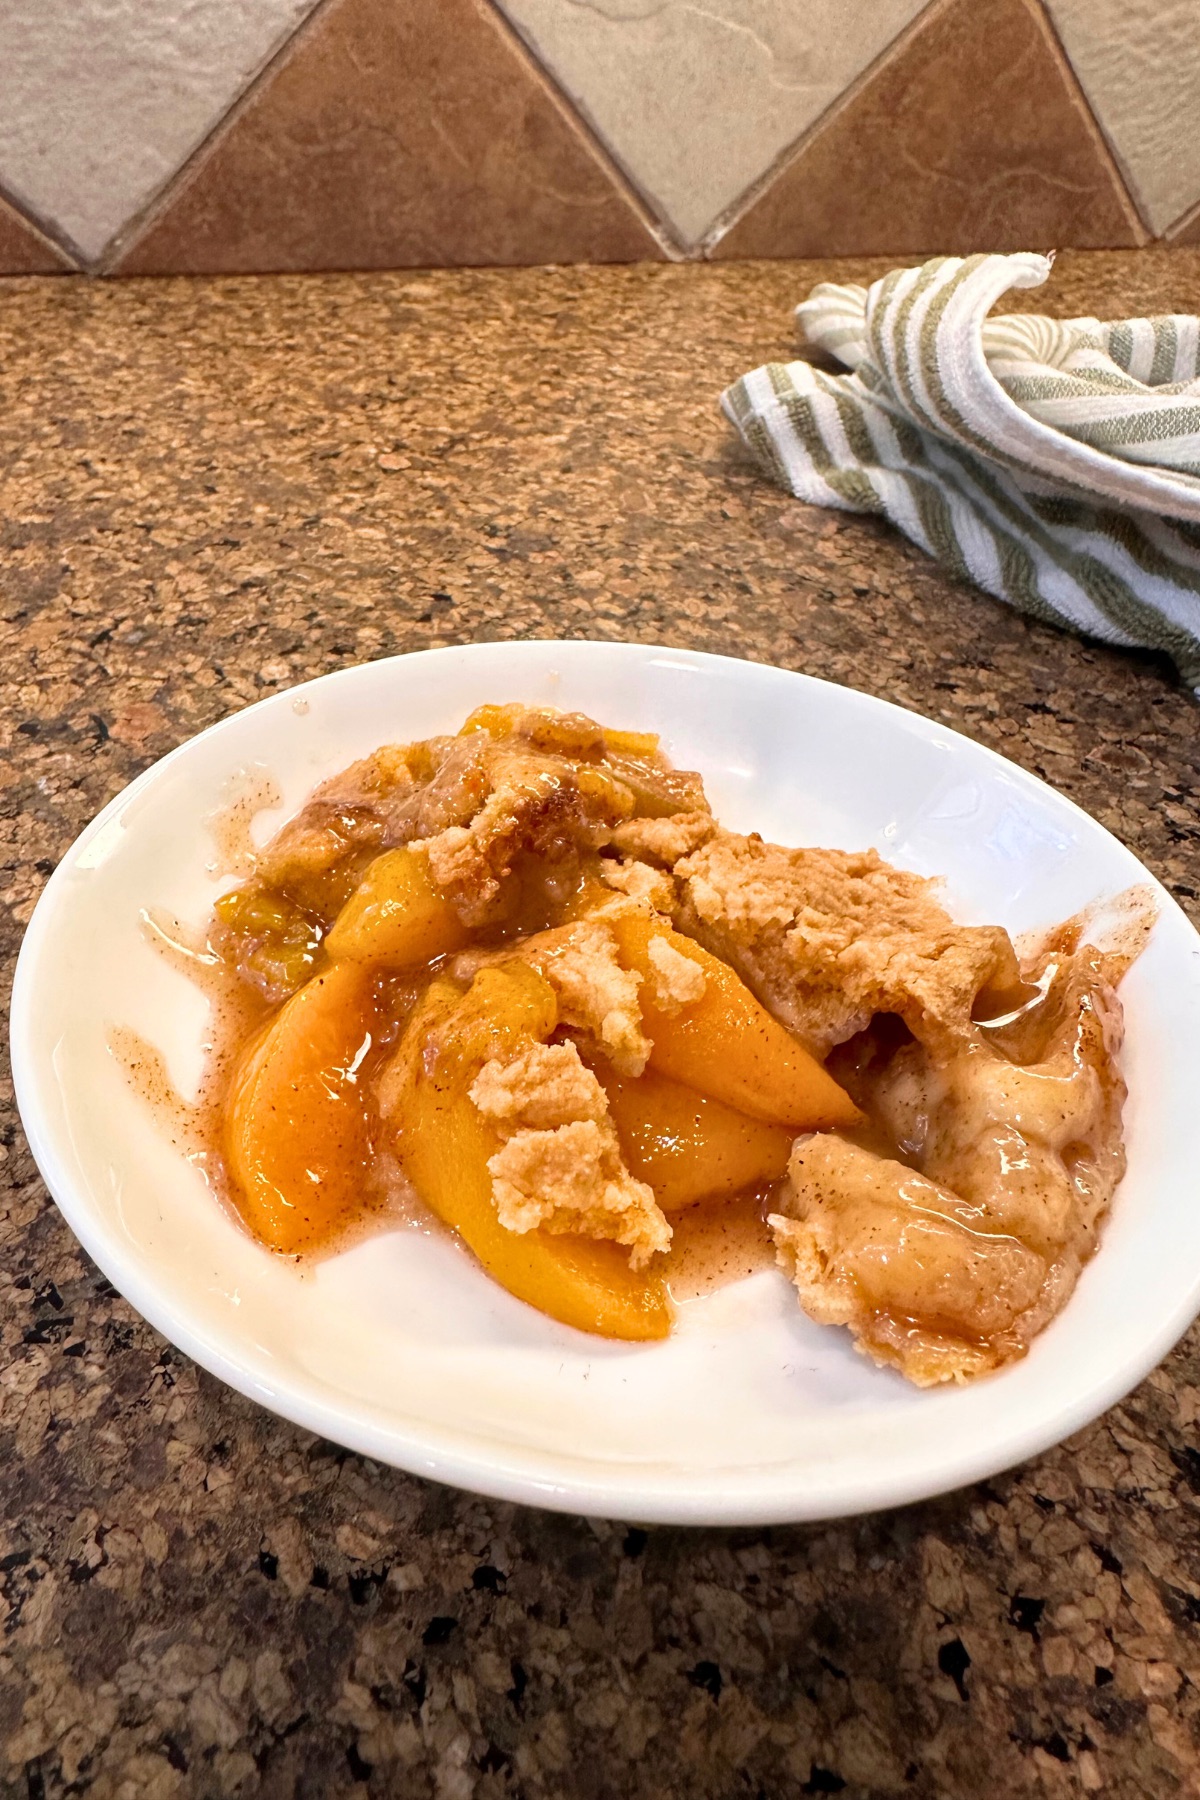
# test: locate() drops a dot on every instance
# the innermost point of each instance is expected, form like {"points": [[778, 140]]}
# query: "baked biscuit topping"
{"points": [[528, 966]]}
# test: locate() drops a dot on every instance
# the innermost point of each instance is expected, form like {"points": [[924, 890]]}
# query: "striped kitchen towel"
{"points": [[1054, 462]]}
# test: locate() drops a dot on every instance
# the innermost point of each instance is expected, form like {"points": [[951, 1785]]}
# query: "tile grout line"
{"points": [[131, 233], [1125, 185], [135, 228], [1190, 217], [579, 118], [726, 221], [44, 228]]}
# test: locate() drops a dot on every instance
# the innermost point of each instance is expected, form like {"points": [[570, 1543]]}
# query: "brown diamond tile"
{"points": [[1187, 229], [971, 135], [395, 136], [23, 249]]}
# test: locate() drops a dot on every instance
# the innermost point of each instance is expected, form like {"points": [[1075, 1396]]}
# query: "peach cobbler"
{"points": [[524, 973]]}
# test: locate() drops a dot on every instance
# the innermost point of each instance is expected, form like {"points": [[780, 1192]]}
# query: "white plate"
{"points": [[401, 1348]]}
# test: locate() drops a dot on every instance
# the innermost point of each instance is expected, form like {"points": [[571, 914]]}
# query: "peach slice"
{"points": [[396, 917], [444, 1144], [297, 1127], [688, 1146], [726, 1044]]}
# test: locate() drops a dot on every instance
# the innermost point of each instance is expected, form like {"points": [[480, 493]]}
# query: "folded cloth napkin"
{"points": [[1054, 462]]}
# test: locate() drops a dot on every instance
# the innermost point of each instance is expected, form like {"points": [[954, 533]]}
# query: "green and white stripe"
{"points": [[1055, 463]]}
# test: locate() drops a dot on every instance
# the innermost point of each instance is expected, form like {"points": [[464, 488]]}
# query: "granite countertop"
{"points": [[211, 489]]}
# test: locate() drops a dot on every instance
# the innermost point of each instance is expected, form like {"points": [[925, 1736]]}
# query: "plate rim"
{"points": [[741, 1499]]}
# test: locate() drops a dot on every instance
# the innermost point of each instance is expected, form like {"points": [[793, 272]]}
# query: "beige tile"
{"points": [[909, 166], [1139, 64], [23, 249], [100, 103], [396, 136], [697, 101]]}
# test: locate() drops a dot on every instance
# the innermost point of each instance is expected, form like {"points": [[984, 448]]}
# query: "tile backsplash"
{"points": [[696, 102], [156, 136]]}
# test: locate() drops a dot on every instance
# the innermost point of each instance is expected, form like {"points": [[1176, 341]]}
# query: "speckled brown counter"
{"points": [[211, 489]]}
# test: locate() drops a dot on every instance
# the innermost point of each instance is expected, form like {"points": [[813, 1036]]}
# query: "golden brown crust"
{"points": [[572, 1179], [595, 993], [829, 938], [560, 1166], [677, 980], [535, 806], [544, 1085], [639, 881], [903, 1262], [1008, 1156], [664, 840]]}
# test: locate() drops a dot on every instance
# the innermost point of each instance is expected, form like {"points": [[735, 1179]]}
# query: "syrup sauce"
{"points": [[230, 827], [719, 1242]]}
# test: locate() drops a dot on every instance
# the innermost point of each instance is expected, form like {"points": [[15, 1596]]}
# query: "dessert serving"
{"points": [[523, 974]]}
